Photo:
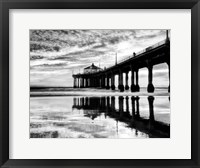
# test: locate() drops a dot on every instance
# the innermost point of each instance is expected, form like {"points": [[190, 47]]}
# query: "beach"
{"points": [[99, 113]]}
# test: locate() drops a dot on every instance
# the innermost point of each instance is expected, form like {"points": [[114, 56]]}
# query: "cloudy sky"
{"points": [[56, 54]]}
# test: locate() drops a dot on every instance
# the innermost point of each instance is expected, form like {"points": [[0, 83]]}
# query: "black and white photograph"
{"points": [[99, 83]]}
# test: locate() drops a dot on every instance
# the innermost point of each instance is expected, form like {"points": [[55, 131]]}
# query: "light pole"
{"points": [[116, 58]]}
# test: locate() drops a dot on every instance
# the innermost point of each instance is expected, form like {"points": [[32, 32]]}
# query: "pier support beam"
{"points": [[137, 87], [126, 86], [74, 82], [86, 82], [132, 80], [93, 79], [103, 82], [113, 82], [81, 82], [95, 82], [108, 82], [99, 82], [91, 82], [150, 87], [121, 86], [77, 82]]}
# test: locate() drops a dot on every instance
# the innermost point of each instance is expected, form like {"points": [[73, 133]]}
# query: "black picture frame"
{"points": [[5, 5]]}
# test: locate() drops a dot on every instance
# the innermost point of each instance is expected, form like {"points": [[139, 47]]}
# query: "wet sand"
{"points": [[99, 114], [95, 92]]}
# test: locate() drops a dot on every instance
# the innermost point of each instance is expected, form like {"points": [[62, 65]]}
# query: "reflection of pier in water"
{"points": [[94, 106]]}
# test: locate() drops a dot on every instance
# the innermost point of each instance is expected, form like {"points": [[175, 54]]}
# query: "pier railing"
{"points": [[134, 55], [143, 51]]}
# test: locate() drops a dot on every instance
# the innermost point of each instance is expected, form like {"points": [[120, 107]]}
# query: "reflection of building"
{"points": [[92, 68]]}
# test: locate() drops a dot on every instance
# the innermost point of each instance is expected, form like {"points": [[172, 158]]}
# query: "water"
{"points": [[104, 116]]}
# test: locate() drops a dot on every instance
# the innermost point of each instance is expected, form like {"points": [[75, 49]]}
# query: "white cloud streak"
{"points": [[54, 54]]}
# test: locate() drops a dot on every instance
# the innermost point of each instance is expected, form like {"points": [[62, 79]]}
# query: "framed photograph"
{"points": [[99, 83]]}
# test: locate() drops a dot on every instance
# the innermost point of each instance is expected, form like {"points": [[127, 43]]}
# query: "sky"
{"points": [[57, 54]]}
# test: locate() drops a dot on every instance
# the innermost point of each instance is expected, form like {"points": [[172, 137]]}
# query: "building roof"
{"points": [[92, 67]]}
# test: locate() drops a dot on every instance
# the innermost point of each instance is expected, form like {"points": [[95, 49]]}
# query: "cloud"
{"points": [[64, 51], [36, 57]]}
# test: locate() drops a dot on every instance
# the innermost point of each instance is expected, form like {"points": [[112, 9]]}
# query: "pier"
{"points": [[149, 57]]}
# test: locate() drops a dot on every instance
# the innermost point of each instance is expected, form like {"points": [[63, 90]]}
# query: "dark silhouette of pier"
{"points": [[153, 55], [95, 106]]}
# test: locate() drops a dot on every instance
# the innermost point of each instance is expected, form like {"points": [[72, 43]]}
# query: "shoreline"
{"points": [[96, 94]]}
